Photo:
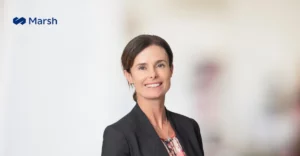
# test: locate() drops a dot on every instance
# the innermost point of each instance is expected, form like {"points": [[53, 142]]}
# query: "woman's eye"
{"points": [[161, 65], [142, 68]]}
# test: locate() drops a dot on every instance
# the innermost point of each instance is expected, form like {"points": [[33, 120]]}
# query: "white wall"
{"points": [[2, 79], [64, 82]]}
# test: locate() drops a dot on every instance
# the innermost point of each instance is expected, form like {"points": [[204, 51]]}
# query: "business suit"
{"points": [[133, 135]]}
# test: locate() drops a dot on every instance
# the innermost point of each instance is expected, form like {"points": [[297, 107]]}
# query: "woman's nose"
{"points": [[153, 74]]}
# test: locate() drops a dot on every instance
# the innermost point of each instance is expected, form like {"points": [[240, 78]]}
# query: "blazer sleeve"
{"points": [[114, 143], [198, 135]]}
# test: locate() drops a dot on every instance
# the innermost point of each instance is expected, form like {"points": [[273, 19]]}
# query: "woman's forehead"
{"points": [[151, 54]]}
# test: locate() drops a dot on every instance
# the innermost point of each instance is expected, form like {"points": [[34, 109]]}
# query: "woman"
{"points": [[149, 129]]}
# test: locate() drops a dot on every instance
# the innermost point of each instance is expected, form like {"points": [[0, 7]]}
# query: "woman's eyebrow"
{"points": [[140, 64], [158, 61]]}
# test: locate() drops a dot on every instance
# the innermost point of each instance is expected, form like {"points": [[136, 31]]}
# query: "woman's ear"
{"points": [[128, 76]]}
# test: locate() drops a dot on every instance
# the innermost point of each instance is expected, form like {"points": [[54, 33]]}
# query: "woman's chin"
{"points": [[155, 97]]}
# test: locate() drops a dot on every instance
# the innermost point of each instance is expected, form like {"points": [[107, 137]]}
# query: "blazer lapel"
{"points": [[149, 141], [179, 134]]}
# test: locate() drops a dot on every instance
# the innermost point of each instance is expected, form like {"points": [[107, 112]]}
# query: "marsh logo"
{"points": [[35, 21], [17, 20]]}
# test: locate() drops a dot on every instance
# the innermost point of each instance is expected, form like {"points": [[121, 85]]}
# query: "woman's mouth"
{"points": [[153, 85]]}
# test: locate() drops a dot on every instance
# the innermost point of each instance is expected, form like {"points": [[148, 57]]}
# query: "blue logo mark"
{"points": [[17, 20]]}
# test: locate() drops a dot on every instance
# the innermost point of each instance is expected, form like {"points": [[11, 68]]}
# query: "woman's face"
{"points": [[150, 73]]}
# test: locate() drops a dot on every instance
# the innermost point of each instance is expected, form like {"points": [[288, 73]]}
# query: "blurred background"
{"points": [[236, 71]]}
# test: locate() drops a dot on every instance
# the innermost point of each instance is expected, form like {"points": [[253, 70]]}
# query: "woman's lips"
{"points": [[153, 85]]}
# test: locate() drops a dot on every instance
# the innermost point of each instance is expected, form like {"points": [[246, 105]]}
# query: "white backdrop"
{"points": [[2, 71], [58, 90]]}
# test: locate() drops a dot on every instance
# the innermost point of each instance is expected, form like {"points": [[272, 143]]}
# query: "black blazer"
{"points": [[134, 135]]}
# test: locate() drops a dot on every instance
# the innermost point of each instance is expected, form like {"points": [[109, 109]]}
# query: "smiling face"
{"points": [[150, 73]]}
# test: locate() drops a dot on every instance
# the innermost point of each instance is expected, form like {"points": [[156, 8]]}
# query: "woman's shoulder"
{"points": [[116, 134], [182, 119], [128, 123], [125, 123]]}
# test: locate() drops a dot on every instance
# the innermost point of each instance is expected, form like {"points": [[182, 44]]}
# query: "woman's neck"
{"points": [[154, 110]]}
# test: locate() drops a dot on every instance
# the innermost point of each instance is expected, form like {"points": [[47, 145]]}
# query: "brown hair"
{"points": [[138, 44]]}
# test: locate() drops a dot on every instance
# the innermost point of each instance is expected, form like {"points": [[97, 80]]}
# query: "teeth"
{"points": [[153, 85]]}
